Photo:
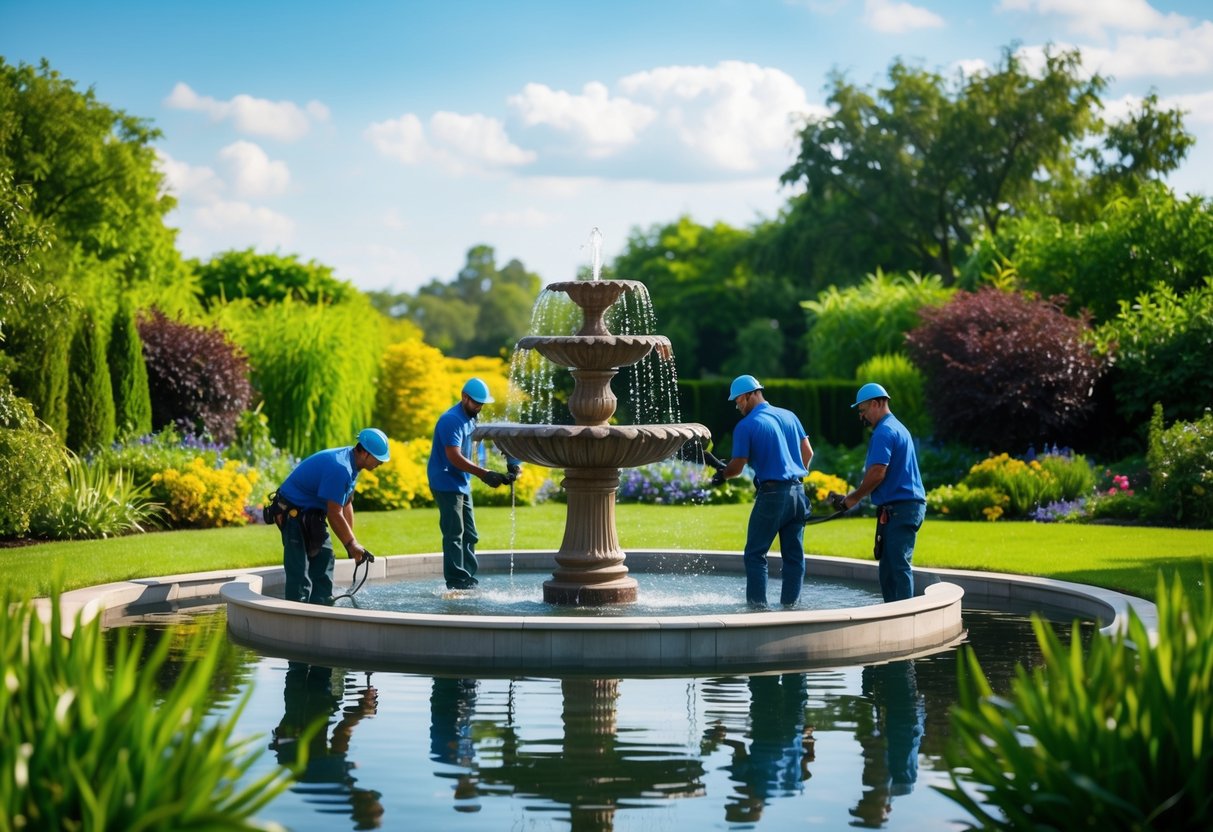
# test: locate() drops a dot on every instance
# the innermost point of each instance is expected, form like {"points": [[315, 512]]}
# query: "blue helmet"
{"points": [[478, 391], [374, 442], [742, 385], [871, 390]]}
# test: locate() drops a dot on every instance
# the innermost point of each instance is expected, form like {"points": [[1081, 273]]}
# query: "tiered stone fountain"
{"points": [[590, 567]]}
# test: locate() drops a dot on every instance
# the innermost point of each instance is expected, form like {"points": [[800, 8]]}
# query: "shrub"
{"points": [[40, 339], [128, 373], [401, 482], [96, 503], [409, 399], [1160, 343], [267, 278], [1181, 471], [197, 378], [1117, 734], [315, 368], [32, 464], [905, 384], [206, 496], [1004, 370], [91, 741], [144, 456], [255, 448], [90, 397], [819, 485], [1028, 484], [963, 502], [847, 326]]}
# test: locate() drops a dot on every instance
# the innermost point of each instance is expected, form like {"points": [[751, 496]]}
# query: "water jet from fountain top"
{"points": [[595, 253]]}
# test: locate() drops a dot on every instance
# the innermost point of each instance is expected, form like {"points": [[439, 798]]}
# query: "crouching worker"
{"points": [[318, 495]]}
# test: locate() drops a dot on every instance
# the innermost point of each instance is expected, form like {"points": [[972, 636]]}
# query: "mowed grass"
{"points": [[1118, 557]]}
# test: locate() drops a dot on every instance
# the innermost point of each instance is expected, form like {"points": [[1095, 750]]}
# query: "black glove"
{"points": [[718, 478], [838, 501], [513, 470], [494, 479], [713, 461]]}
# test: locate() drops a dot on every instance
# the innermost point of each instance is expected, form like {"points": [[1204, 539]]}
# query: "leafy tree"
{"points": [[928, 164], [197, 378], [1004, 370], [267, 278], [848, 326], [1133, 243], [704, 292], [483, 311], [32, 464], [128, 373], [1159, 344], [92, 174], [90, 397]]}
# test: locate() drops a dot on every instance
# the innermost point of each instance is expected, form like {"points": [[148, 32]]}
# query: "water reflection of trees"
{"points": [[312, 696]]}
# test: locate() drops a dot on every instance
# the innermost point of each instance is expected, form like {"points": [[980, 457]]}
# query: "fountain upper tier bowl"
{"points": [[591, 446], [595, 352]]}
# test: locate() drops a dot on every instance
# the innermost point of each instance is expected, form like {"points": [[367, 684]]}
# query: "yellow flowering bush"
{"points": [[205, 496], [962, 502], [398, 483], [819, 485], [1028, 484]]}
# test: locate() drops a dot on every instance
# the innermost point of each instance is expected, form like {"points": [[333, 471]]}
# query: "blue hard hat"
{"points": [[742, 385], [478, 391], [374, 442], [871, 390]]}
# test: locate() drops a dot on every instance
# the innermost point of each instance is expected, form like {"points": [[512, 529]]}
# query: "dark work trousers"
{"points": [[896, 570], [309, 580], [457, 522], [778, 510]]}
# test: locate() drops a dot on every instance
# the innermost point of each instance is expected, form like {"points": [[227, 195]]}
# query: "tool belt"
{"points": [[312, 521]]}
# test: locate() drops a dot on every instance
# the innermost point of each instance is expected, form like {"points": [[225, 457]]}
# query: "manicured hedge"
{"points": [[823, 405]]}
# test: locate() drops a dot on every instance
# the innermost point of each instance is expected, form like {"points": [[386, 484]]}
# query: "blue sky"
{"points": [[386, 138]]}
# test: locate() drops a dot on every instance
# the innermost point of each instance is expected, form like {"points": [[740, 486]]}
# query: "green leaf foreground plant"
{"points": [[1118, 737], [87, 747], [97, 503]]}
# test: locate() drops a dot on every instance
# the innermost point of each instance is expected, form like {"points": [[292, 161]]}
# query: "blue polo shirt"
{"points": [[893, 446], [323, 476], [453, 430], [769, 438]]}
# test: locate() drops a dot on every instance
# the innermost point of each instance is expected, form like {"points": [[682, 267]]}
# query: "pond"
{"points": [[822, 748]]}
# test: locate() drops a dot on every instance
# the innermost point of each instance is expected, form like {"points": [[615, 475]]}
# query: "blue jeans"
{"points": [[457, 523], [309, 580], [780, 511], [896, 572]]}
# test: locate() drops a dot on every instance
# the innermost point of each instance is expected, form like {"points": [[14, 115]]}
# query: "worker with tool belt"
{"points": [[320, 489], [893, 480]]}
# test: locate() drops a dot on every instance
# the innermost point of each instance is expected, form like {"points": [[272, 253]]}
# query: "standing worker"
{"points": [[893, 480], [450, 473], [774, 443], [322, 488]]}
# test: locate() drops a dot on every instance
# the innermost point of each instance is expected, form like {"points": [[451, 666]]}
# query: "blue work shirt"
{"points": [[769, 438], [453, 430], [893, 446], [323, 476]]}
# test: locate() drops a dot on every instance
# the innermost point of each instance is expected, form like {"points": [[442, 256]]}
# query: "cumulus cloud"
{"points": [[456, 142], [282, 120], [186, 181], [1189, 52], [252, 172], [252, 224], [735, 116], [1095, 19], [602, 123], [895, 18]]}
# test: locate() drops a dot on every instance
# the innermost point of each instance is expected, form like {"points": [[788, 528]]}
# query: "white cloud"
{"points": [[252, 172], [738, 117], [454, 141], [1189, 52], [186, 181], [1094, 19], [1197, 107], [895, 18], [242, 224], [602, 123], [526, 218], [283, 120]]}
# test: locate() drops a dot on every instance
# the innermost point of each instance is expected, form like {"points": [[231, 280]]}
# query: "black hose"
{"points": [[367, 560]]}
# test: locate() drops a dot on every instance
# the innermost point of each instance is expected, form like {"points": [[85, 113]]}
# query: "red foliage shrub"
{"points": [[197, 378], [1005, 370]]}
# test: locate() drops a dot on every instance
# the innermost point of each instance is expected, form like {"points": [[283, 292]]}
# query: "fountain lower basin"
{"points": [[649, 644]]}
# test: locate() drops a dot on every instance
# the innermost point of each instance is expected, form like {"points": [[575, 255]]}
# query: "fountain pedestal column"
{"points": [[590, 568]]}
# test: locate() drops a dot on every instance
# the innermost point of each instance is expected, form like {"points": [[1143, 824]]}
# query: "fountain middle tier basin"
{"points": [[595, 352], [591, 446]]}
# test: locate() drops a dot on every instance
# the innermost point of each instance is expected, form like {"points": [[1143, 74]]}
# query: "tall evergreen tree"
{"points": [[128, 374], [90, 397]]}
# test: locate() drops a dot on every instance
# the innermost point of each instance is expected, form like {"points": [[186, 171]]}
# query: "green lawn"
{"points": [[1119, 557]]}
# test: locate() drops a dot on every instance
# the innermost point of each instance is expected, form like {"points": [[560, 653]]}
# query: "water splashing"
{"points": [[595, 253]]}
